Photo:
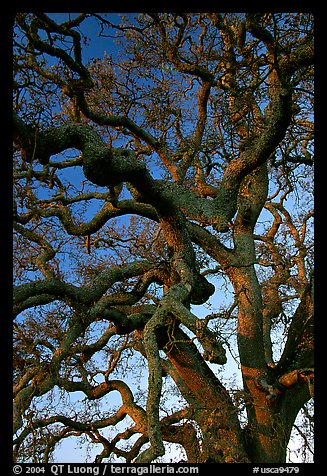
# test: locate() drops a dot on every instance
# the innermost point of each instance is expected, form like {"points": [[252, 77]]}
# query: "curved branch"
{"points": [[298, 350], [129, 407], [83, 295], [47, 254]]}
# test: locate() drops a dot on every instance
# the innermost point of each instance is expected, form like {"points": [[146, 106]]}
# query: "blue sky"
{"points": [[96, 48], [90, 28]]}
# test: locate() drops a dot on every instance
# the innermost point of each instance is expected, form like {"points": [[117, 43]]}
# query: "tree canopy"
{"points": [[163, 230]]}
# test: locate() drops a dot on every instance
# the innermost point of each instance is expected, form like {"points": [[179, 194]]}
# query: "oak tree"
{"points": [[163, 230]]}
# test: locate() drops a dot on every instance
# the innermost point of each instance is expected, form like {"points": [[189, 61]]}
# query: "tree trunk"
{"points": [[213, 409]]}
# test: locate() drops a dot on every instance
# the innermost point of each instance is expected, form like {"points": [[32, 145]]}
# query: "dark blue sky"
{"points": [[91, 29]]}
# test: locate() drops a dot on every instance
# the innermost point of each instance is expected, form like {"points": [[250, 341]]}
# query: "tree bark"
{"points": [[211, 404]]}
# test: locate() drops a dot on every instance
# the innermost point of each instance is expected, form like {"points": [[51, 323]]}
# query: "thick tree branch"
{"points": [[182, 129], [298, 350], [83, 295]]}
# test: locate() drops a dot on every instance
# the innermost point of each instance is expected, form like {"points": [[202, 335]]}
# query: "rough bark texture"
{"points": [[224, 157]]}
